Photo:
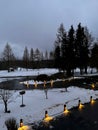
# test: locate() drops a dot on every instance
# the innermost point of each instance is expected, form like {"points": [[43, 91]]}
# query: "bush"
{"points": [[11, 124], [42, 77]]}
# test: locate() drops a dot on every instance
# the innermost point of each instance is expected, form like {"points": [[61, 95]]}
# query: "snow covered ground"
{"points": [[5, 75], [30, 72], [36, 103]]}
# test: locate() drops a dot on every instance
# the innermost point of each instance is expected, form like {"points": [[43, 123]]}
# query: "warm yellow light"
{"points": [[66, 111], [93, 85], [35, 84], [27, 84], [51, 82], [48, 118], [24, 127], [81, 106], [92, 101], [44, 83]]}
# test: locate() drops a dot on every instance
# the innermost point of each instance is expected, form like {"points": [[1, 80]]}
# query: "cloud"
{"points": [[34, 23]]}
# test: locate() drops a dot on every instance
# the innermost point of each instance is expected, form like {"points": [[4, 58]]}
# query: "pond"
{"points": [[14, 83]]}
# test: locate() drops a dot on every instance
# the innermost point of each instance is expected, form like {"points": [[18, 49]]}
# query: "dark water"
{"points": [[13, 84]]}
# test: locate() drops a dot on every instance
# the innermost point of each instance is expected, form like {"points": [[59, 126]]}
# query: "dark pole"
{"points": [[22, 100]]}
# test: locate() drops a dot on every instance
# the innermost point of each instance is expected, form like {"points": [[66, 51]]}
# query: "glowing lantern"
{"points": [[27, 84], [93, 85], [21, 122], [92, 101], [47, 117], [22, 126], [66, 111], [44, 83], [51, 82], [80, 106], [35, 84]]}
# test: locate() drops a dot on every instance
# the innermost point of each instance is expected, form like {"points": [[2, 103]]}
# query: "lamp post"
{"points": [[21, 93]]}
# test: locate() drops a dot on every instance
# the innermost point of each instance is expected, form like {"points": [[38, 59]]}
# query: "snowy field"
{"points": [[35, 100], [36, 103]]}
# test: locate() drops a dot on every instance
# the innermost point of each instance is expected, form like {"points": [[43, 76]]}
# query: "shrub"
{"points": [[11, 124]]}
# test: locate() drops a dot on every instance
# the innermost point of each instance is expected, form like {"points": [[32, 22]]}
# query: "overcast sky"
{"points": [[34, 23]]}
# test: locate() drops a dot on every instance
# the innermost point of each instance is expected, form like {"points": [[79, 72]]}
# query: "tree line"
{"points": [[73, 48], [30, 59]]}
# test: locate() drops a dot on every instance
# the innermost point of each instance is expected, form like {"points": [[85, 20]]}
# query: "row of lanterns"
{"points": [[36, 84], [48, 118], [51, 84]]}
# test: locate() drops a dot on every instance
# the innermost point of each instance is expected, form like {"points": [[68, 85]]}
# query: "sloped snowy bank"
{"points": [[36, 103]]}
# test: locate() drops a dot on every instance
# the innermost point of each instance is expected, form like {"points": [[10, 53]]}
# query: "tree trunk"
{"points": [[85, 69], [5, 104], [68, 72]]}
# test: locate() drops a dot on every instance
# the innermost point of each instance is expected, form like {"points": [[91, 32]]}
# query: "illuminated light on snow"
{"points": [[51, 82], [66, 111], [23, 127], [47, 117], [44, 83], [92, 101], [35, 84], [27, 84], [93, 85], [80, 105]]}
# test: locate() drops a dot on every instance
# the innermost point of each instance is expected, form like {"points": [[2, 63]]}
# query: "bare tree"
{"points": [[4, 96]]}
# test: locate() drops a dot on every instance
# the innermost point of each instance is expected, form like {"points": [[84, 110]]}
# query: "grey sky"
{"points": [[34, 23]]}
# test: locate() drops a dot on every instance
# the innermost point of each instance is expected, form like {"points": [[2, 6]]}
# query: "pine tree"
{"points": [[94, 56], [81, 47], [8, 56], [31, 55], [26, 57], [71, 51]]}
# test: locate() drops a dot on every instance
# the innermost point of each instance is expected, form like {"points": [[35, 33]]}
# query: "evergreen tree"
{"points": [[46, 55], [26, 57], [31, 55], [81, 48], [94, 56], [71, 51], [64, 52], [37, 55], [8, 56], [57, 57]]}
